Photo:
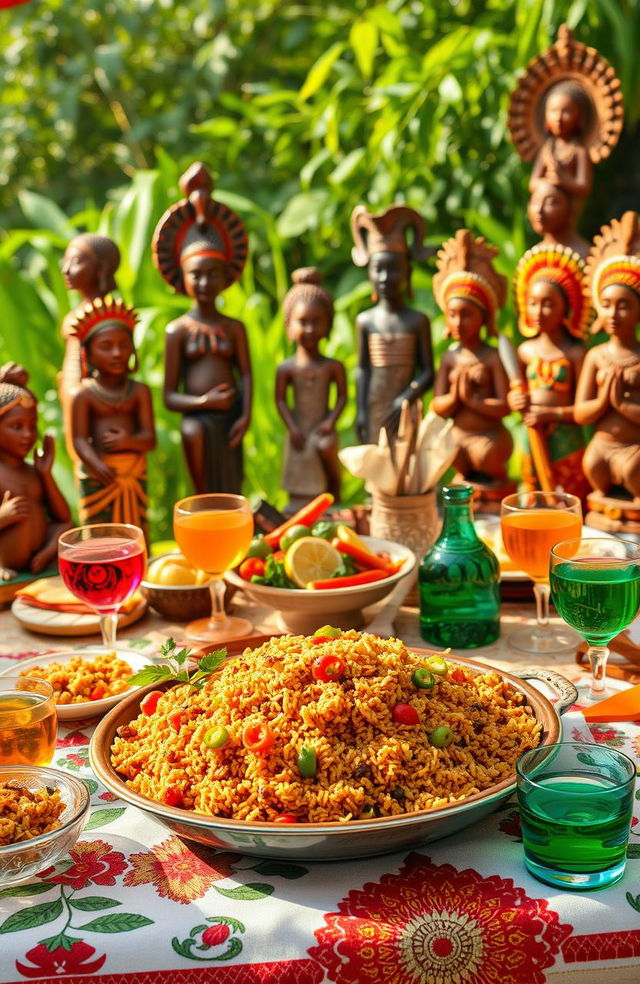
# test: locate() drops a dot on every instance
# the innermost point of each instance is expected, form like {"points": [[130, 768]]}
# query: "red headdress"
{"points": [[563, 268], [465, 271]]}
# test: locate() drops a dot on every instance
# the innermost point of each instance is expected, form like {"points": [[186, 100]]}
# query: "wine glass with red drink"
{"points": [[102, 565]]}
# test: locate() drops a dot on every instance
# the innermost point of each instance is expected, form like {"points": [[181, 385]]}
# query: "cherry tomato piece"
{"points": [[175, 720], [150, 702], [285, 818], [405, 714], [327, 668], [257, 738], [173, 797], [251, 567], [98, 692]]}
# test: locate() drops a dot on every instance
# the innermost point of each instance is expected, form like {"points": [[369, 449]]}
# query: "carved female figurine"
{"points": [[111, 418], [33, 512], [311, 461], [565, 115], [471, 385], [200, 248], [88, 267], [395, 359], [550, 215], [549, 287], [608, 395]]}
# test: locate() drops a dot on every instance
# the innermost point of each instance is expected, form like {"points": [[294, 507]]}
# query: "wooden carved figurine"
{"points": [[33, 512], [550, 215], [553, 313], [565, 115], [200, 248], [471, 386], [608, 395], [395, 359], [111, 418], [311, 463], [88, 267]]}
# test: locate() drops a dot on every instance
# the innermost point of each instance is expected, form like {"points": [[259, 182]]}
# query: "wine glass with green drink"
{"points": [[595, 586]]}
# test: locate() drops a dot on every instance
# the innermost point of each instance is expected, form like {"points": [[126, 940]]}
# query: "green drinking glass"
{"points": [[595, 586], [576, 805]]}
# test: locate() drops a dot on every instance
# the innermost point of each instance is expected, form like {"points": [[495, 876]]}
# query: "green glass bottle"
{"points": [[459, 580]]}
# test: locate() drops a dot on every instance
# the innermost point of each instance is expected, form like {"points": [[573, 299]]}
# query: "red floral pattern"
{"points": [[61, 961], [177, 872], [434, 923], [73, 738], [93, 861]]}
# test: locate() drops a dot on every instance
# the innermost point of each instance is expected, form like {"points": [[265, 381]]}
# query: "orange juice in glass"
{"points": [[214, 531], [531, 524]]}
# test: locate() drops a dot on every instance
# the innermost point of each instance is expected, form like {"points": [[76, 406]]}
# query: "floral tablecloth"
{"points": [[134, 903]]}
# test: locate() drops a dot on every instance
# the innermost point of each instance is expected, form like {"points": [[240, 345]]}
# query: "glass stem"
{"points": [[542, 592], [108, 626], [598, 658], [217, 589]]}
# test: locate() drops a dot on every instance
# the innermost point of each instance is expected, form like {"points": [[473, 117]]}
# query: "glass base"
{"points": [[208, 630], [573, 881], [586, 696], [554, 639]]}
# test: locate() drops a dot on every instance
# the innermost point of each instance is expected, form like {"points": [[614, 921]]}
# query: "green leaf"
{"points": [[150, 674], [122, 922], [23, 891], [363, 38], [347, 166], [280, 869], [60, 940], [100, 818], [246, 893], [212, 660], [634, 901], [321, 71], [93, 902], [45, 214], [37, 915]]}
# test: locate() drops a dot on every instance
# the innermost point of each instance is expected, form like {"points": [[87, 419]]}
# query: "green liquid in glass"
{"points": [[596, 598], [576, 825]]}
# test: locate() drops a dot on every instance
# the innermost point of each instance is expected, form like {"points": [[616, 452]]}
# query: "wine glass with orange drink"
{"points": [[531, 524], [213, 532]]}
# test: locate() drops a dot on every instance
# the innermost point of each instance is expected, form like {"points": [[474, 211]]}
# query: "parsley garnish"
{"points": [[175, 667]]}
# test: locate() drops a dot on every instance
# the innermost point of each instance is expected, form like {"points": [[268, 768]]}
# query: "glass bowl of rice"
{"points": [[42, 814]]}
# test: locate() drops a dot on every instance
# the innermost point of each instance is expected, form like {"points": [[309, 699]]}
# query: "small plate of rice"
{"points": [[324, 747], [86, 683]]}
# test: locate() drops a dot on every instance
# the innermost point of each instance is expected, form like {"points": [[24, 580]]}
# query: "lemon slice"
{"points": [[311, 559]]}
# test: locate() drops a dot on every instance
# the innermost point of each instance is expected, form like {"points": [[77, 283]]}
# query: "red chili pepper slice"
{"points": [[405, 714], [150, 702], [257, 738], [98, 692], [285, 818], [458, 675], [175, 720], [327, 668], [173, 797]]}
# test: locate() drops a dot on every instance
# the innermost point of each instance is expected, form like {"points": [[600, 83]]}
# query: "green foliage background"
{"points": [[302, 111]]}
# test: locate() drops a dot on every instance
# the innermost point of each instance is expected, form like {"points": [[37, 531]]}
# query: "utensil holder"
{"points": [[411, 520]]}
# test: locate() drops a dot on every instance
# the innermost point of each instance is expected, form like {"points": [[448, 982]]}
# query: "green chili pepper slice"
{"points": [[307, 761], [438, 665], [441, 737], [329, 631], [216, 737], [423, 678]]}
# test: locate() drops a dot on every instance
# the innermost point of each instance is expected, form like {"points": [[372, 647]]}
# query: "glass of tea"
{"points": [[531, 522], [102, 564], [28, 721], [213, 532], [595, 586], [576, 805]]}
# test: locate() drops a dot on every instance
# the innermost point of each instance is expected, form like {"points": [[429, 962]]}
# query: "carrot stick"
{"points": [[305, 517], [363, 557], [349, 581]]}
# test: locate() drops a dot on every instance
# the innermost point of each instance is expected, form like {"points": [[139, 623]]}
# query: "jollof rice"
{"points": [[367, 763]]}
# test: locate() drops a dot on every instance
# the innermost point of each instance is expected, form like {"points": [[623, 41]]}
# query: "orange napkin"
{"points": [[55, 597], [623, 706]]}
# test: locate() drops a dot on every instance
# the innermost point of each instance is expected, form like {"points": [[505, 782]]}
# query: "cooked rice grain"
{"points": [[366, 761]]}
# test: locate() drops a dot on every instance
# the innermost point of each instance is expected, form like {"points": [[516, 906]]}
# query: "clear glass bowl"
{"points": [[24, 860]]}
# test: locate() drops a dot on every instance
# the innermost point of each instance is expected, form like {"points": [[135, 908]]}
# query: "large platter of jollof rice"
{"points": [[340, 731]]}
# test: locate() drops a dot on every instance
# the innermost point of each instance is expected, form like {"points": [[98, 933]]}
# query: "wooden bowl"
{"points": [[177, 602]]}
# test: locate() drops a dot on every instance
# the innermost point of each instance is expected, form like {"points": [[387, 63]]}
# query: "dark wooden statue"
{"points": [[608, 395], [111, 418], [311, 463], [33, 512], [471, 385], [88, 267], [553, 314], [395, 359], [200, 248]]}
